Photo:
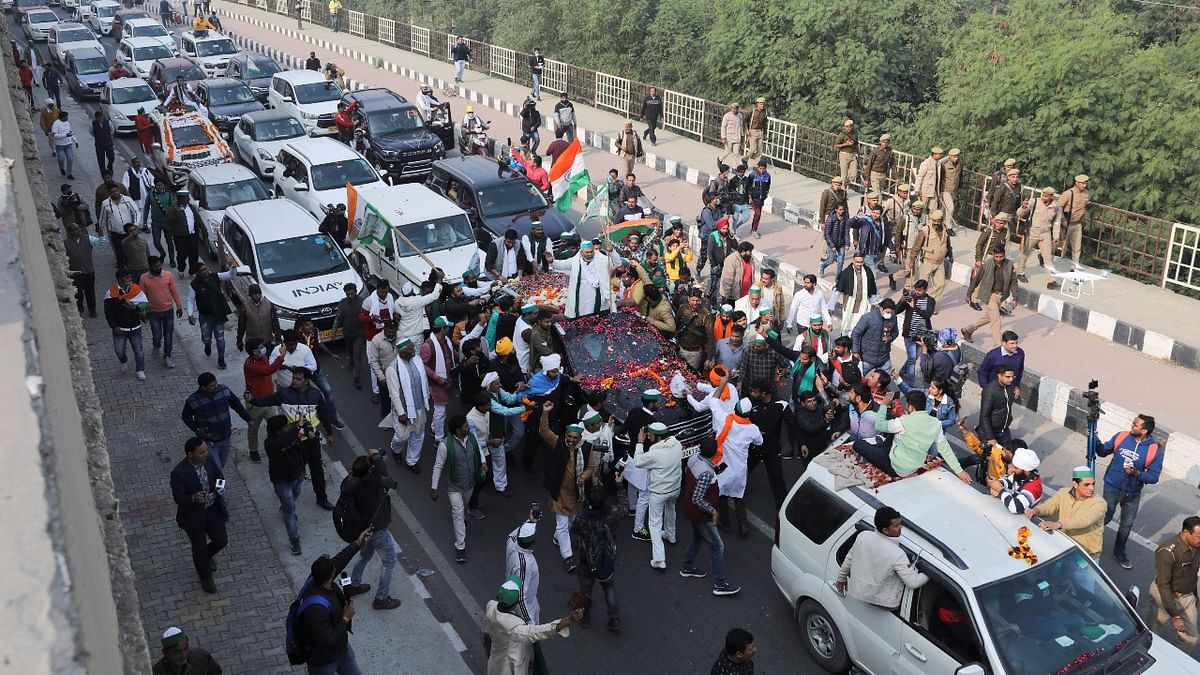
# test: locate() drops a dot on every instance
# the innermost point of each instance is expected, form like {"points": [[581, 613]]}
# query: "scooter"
{"points": [[476, 142]]}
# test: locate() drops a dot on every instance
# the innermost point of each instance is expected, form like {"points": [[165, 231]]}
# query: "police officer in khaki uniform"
{"points": [[846, 146], [1074, 202], [930, 249], [1045, 223], [881, 164], [952, 169], [1174, 587]]}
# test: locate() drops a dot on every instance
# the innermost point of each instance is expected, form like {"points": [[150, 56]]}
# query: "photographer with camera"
{"points": [[365, 500], [319, 620], [918, 308], [1137, 462]]}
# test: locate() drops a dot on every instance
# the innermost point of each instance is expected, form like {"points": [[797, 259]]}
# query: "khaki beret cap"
{"points": [[848, 122], [1010, 162], [1002, 217], [955, 152], [937, 214], [885, 137], [1047, 191], [1082, 178], [1013, 172], [903, 187], [838, 180], [918, 204], [937, 150], [873, 195], [760, 99]]}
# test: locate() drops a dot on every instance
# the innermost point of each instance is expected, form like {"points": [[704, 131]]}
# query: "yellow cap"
{"points": [[470, 108]]}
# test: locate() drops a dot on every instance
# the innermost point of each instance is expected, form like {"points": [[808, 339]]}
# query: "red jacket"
{"points": [[26, 74], [343, 119], [258, 371]]}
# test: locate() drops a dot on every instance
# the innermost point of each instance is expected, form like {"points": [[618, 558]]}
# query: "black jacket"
{"points": [[285, 457], [652, 107], [210, 299], [536, 63], [461, 52], [812, 429], [770, 420], [185, 483], [531, 119], [325, 634], [995, 412], [739, 187], [312, 63], [909, 307], [493, 261], [370, 497], [635, 421]]}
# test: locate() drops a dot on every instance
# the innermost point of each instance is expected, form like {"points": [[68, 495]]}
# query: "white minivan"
{"points": [[308, 96], [402, 233], [982, 610], [300, 270]]}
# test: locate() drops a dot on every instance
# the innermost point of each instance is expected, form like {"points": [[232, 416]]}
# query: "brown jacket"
{"points": [[951, 175], [47, 118], [929, 246], [988, 238], [731, 276], [881, 160], [981, 291], [829, 201]]}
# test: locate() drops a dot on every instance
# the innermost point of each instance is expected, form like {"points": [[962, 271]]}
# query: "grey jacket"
{"points": [[873, 336]]}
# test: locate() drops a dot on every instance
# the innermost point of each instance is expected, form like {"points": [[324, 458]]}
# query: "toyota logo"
{"points": [[326, 311]]}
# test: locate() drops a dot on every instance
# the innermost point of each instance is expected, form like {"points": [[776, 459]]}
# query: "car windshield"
{"points": [[1055, 614], [75, 35], [42, 17], [318, 92], [336, 174], [134, 94], [391, 121], [300, 258], [151, 53], [106, 11], [511, 197], [230, 95], [188, 135], [223, 196], [91, 65], [190, 73], [215, 47], [433, 235], [149, 30], [278, 130], [627, 339], [261, 68]]}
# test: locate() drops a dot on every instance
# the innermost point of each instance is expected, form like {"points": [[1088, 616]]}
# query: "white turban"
{"points": [[489, 379], [1025, 459], [551, 362]]}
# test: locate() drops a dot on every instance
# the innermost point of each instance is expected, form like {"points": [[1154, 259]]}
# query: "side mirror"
{"points": [[970, 669], [1133, 595], [243, 271], [288, 99]]}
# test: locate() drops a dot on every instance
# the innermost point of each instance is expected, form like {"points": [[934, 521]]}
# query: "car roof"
{"points": [[69, 25], [299, 76], [177, 62], [933, 505], [142, 21], [143, 42], [209, 37], [83, 52], [222, 173], [105, 3], [407, 202], [273, 219], [127, 83], [41, 10], [267, 115], [133, 10], [478, 172], [369, 97], [320, 150], [222, 83]]}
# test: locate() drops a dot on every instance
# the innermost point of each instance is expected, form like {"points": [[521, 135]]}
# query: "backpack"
{"points": [[348, 522], [1151, 450], [598, 555], [711, 190], [958, 376], [297, 652]]}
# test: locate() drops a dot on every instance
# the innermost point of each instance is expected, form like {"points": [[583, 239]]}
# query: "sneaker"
{"points": [[1125, 562], [296, 547], [385, 603], [460, 555], [614, 625], [339, 425], [415, 468], [208, 349], [659, 564], [976, 306], [255, 457], [726, 589], [642, 534], [324, 503], [570, 563], [141, 375], [1052, 286], [356, 589], [220, 365], [170, 363], [156, 348], [692, 573]]}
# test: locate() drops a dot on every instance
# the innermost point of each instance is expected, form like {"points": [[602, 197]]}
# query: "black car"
{"points": [[496, 198], [398, 142], [618, 346], [87, 71], [256, 71], [227, 100]]}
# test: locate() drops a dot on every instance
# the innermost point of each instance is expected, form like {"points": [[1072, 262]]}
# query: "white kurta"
{"points": [[585, 279], [520, 562], [512, 640], [732, 480]]}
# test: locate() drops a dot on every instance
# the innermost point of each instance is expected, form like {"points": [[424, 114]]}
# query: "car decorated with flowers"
{"points": [[185, 140]]}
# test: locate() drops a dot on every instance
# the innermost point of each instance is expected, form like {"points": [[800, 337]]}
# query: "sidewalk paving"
{"points": [[1066, 346], [1149, 319]]}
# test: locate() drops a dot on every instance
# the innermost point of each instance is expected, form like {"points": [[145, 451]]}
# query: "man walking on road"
{"points": [[158, 207], [326, 612], [369, 482], [1137, 462], [1174, 587], [845, 144], [880, 166], [459, 454], [285, 467], [995, 408], [208, 300], [305, 406], [259, 372], [198, 487], [112, 216], [700, 508], [461, 55], [124, 305], [103, 132], [180, 659], [408, 388], [629, 147], [652, 108], [1045, 217], [992, 287], [663, 459], [756, 130], [78, 245], [165, 306], [537, 63], [206, 413]]}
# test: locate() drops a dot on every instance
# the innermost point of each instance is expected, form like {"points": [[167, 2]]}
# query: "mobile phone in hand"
{"points": [[536, 510]]}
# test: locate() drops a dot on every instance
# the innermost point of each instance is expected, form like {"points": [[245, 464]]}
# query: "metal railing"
{"points": [[1183, 258], [1133, 244], [356, 21]]}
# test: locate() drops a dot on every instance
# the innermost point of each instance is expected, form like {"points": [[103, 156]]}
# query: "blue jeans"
{"points": [[537, 85], [322, 382], [134, 339], [835, 256], [459, 66], [911, 349], [535, 139], [287, 494], [867, 367], [209, 329], [346, 665], [741, 216], [66, 158], [162, 330], [1129, 502], [219, 449], [707, 532], [380, 541]]}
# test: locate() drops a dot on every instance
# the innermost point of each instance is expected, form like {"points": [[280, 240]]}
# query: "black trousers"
{"points": [[187, 255], [774, 464], [115, 240], [877, 454], [651, 125], [316, 470], [207, 538], [105, 158], [85, 291]]}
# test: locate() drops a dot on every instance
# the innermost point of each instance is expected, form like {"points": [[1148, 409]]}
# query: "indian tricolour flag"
{"points": [[568, 175]]}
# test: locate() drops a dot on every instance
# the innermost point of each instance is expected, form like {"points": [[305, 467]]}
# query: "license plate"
{"points": [[690, 450], [329, 335]]}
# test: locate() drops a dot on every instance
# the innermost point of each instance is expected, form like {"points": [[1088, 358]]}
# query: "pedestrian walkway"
{"points": [[1067, 345], [1158, 322]]}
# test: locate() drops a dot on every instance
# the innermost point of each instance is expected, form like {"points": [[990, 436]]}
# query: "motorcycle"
{"points": [[476, 141]]}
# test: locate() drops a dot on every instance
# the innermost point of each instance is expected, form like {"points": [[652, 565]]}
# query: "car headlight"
{"points": [[309, 116], [389, 154], [265, 156], [118, 116], [440, 147], [286, 314]]}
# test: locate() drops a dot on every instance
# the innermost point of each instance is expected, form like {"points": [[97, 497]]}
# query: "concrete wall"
{"points": [[70, 604]]}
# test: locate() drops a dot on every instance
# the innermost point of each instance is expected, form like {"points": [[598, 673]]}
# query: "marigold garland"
{"points": [[1022, 551]]}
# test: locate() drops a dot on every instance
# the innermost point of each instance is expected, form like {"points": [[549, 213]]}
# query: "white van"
{"points": [[300, 270], [308, 97], [1012, 617], [402, 234]]}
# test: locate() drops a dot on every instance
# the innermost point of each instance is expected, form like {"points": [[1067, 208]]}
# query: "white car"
{"points": [[70, 4], [313, 173], [67, 36], [403, 231], [185, 142], [139, 54], [149, 28], [212, 51], [216, 188], [122, 98], [259, 136], [982, 610], [85, 8], [308, 96], [101, 16], [37, 23], [300, 270]]}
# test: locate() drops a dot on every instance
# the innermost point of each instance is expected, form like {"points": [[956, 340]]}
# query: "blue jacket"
{"points": [[946, 413], [1115, 477], [873, 238], [837, 231]]}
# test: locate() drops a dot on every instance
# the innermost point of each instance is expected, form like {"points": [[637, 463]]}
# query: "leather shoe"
{"points": [[415, 468], [356, 589], [976, 306], [324, 503], [208, 585], [385, 603], [966, 334]]}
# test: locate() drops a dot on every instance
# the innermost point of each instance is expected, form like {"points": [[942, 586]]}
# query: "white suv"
{"points": [[1013, 617], [102, 14], [215, 188], [139, 54], [121, 99], [149, 28], [307, 96], [212, 51], [313, 173]]}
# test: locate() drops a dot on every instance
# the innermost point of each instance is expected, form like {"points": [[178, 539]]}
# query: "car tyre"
{"points": [[821, 637], [359, 264]]}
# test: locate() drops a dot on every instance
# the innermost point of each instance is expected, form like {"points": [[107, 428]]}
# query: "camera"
{"points": [[1091, 399]]}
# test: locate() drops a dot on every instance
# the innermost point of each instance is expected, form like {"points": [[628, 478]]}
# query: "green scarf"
{"points": [[805, 383]]}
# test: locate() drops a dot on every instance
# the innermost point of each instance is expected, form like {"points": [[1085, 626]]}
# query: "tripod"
{"points": [[1092, 397]]}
